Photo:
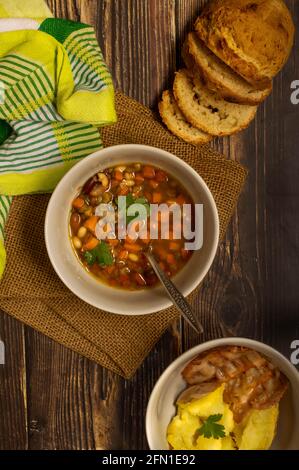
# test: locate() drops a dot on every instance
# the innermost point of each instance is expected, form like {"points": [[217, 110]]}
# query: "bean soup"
{"points": [[121, 262]]}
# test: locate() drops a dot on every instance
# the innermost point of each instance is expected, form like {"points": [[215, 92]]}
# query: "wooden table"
{"points": [[52, 398]]}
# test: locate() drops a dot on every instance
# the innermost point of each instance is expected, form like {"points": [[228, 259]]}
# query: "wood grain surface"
{"points": [[52, 398]]}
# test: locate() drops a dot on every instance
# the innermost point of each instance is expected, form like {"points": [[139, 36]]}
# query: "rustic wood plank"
{"points": [[67, 408], [139, 46], [136, 392], [55, 406], [186, 13], [13, 386]]}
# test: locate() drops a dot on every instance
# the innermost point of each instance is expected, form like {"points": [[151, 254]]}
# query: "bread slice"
{"points": [[206, 110], [253, 37], [176, 122], [218, 76]]}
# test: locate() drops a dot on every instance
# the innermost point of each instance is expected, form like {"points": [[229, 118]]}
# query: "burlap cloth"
{"points": [[31, 291]]}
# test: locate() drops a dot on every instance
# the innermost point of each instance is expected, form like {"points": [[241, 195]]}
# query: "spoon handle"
{"points": [[175, 295]]}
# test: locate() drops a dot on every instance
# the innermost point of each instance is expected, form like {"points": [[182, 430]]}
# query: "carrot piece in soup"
{"points": [[118, 175], [91, 223], [113, 241], [133, 247], [149, 172], [138, 178], [129, 239], [91, 244], [78, 202], [123, 255], [157, 198], [173, 246]]}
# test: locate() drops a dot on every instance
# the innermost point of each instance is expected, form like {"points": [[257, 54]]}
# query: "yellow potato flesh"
{"points": [[256, 432], [259, 431], [181, 431]]}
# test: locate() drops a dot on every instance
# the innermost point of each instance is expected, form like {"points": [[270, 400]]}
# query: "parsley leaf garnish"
{"points": [[130, 201], [90, 257], [211, 428], [101, 254]]}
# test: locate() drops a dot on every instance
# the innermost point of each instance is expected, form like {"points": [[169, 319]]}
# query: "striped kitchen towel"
{"points": [[55, 91]]}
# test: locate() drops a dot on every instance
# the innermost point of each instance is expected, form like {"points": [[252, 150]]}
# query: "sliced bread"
{"points": [[207, 111], [253, 37], [176, 122], [218, 76]]}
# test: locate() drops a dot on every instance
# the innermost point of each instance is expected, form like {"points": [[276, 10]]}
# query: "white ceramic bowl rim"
{"points": [[84, 166]]}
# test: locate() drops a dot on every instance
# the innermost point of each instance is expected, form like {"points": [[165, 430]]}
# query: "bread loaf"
{"points": [[253, 37], [218, 76]]}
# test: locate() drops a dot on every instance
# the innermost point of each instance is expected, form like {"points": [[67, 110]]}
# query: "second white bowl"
{"points": [[161, 407]]}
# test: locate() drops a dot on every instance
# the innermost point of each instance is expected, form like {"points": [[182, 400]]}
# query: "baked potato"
{"points": [[255, 432]]}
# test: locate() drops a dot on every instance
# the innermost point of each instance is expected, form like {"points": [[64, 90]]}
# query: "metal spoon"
{"points": [[175, 295]]}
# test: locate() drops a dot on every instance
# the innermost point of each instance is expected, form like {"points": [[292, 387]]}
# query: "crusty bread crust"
{"points": [[207, 111], [218, 76], [253, 37], [176, 122]]}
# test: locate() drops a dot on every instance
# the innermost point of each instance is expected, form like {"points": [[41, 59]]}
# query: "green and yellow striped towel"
{"points": [[55, 91]]}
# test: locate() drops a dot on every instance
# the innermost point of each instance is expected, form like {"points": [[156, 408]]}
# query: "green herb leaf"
{"points": [[90, 257], [101, 254], [211, 428], [141, 200], [130, 201], [145, 203]]}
